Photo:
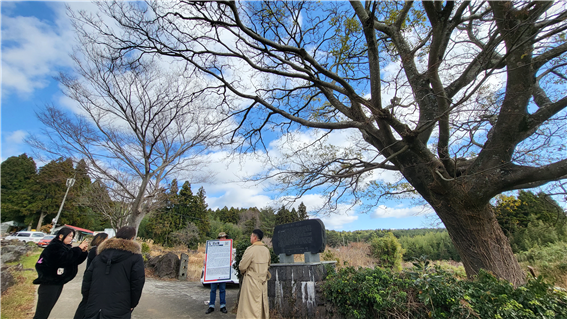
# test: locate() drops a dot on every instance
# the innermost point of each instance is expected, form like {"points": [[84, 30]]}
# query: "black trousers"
{"points": [[47, 298], [80, 313]]}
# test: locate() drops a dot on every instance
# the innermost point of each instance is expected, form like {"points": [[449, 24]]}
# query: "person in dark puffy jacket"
{"points": [[114, 281], [97, 240], [57, 265]]}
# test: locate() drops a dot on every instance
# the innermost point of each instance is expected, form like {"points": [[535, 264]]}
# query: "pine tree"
{"points": [[18, 176], [51, 187], [302, 212], [80, 215]]}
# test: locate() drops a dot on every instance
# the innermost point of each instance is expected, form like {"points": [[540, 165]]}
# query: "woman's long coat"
{"points": [[253, 302], [114, 281]]}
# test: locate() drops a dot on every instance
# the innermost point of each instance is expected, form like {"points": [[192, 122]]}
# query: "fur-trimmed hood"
{"points": [[120, 244]]}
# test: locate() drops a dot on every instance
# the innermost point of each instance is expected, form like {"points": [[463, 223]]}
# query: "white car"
{"points": [[27, 236]]}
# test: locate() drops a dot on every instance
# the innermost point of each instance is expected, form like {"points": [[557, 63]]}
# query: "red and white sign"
{"points": [[218, 261]]}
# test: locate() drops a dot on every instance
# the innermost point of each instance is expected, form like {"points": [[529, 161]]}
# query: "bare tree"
{"points": [[136, 122], [475, 107], [97, 197]]}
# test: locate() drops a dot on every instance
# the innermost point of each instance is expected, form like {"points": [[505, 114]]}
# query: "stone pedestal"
{"points": [[294, 290]]}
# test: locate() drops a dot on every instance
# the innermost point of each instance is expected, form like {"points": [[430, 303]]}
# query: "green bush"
{"points": [[145, 248], [233, 231], [426, 292], [537, 233], [388, 251], [435, 245]]}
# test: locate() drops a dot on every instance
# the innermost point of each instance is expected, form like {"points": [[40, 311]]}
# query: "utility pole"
{"points": [[70, 183]]}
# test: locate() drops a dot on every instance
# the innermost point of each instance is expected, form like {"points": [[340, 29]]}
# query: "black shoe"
{"points": [[223, 310], [211, 309]]}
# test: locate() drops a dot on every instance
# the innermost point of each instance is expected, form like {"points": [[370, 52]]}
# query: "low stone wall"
{"points": [[294, 290]]}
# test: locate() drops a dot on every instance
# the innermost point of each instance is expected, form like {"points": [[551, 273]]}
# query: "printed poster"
{"points": [[218, 261]]}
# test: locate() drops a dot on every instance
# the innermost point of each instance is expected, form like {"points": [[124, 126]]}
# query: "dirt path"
{"points": [[160, 300]]}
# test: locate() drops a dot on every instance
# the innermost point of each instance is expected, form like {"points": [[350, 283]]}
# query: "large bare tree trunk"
{"points": [[480, 241], [40, 222], [135, 219], [138, 213]]}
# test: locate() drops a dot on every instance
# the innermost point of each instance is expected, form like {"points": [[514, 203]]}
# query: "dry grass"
{"points": [[195, 265], [354, 254], [18, 300], [358, 255]]}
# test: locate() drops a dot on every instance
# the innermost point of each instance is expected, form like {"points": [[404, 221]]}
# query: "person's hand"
{"points": [[84, 245]]}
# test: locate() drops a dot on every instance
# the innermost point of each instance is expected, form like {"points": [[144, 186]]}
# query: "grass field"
{"points": [[18, 300]]}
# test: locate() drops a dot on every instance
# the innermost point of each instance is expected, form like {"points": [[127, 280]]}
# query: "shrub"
{"points": [[188, 236], [430, 292], [145, 248], [388, 251], [537, 233], [436, 245], [328, 255]]}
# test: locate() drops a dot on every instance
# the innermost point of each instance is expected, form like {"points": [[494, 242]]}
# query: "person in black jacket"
{"points": [[97, 240], [57, 265], [114, 281]]}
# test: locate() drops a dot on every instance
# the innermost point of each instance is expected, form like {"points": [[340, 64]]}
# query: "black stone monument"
{"points": [[303, 237]]}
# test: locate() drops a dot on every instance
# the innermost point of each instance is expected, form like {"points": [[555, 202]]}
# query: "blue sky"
{"points": [[36, 41]]}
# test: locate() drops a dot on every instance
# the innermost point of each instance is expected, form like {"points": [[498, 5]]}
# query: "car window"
{"points": [[49, 237], [23, 234], [38, 235]]}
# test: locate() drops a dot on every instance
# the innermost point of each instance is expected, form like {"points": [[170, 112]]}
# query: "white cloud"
{"points": [[38, 50], [383, 211], [339, 220], [13, 143], [16, 137]]}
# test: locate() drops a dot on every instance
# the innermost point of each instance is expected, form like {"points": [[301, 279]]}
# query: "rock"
{"points": [[7, 279], [152, 261], [167, 266], [11, 253]]}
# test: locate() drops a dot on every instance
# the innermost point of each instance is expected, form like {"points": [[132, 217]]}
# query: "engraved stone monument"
{"points": [[294, 289], [306, 237]]}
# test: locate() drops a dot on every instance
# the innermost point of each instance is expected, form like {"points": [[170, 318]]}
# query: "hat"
{"points": [[222, 234]]}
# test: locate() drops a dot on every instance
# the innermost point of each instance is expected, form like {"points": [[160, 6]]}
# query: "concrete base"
{"points": [[286, 259], [294, 289]]}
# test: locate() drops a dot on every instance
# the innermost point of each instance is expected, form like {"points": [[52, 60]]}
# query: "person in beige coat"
{"points": [[253, 302]]}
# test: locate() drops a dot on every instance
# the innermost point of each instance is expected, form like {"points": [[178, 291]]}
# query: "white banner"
{"points": [[218, 261]]}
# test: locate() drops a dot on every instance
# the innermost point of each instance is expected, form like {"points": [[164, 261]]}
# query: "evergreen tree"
{"points": [[514, 213], [302, 212], [51, 187], [193, 209], [285, 216], [267, 221], [166, 220], [18, 176], [231, 215], [81, 215]]}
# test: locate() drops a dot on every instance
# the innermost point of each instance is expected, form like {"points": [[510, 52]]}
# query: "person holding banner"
{"points": [[254, 266], [221, 287]]}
